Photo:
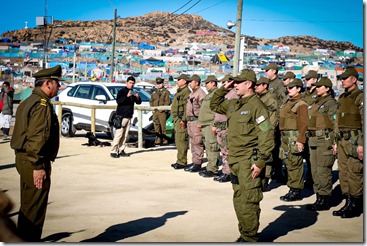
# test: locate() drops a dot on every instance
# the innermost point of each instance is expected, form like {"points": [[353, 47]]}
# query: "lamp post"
{"points": [[237, 37]]}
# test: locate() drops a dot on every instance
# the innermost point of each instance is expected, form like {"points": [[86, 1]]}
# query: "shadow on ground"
{"points": [[133, 228]]}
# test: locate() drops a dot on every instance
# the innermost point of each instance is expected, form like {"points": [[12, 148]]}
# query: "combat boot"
{"points": [[292, 195], [346, 206], [323, 204], [313, 205], [355, 209]]}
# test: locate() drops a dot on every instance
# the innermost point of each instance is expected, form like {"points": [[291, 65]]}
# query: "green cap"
{"points": [[210, 78], [295, 82], [289, 75], [49, 73], [311, 74], [350, 71], [262, 80], [272, 66], [195, 77], [226, 78], [246, 75], [159, 80], [324, 81], [183, 76]]}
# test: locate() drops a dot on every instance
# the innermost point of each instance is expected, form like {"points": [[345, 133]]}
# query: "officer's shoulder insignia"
{"points": [[322, 106], [43, 102], [314, 96], [260, 119], [245, 112]]}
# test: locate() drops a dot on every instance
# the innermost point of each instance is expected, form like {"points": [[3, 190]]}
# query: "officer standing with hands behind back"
{"points": [[35, 141], [160, 97]]}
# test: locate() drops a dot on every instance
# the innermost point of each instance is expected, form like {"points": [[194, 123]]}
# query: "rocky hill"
{"points": [[157, 27]]}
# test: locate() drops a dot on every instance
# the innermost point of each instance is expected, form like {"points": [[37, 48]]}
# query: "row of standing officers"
{"points": [[256, 125]]}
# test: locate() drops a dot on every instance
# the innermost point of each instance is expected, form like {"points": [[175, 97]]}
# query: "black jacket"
{"points": [[125, 105]]}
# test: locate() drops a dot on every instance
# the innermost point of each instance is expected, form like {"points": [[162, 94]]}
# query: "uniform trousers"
{"points": [[182, 143], [119, 141], [350, 170], [211, 148], [246, 200], [322, 161], [196, 142], [159, 120], [33, 201], [222, 139]]}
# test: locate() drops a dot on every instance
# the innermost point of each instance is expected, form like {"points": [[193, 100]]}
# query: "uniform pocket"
{"points": [[245, 124], [254, 195]]}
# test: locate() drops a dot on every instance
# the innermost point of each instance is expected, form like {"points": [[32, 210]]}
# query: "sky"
{"points": [[336, 20]]}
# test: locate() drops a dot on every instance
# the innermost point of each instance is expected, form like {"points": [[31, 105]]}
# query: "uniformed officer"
{"points": [[276, 88], [261, 89], [349, 130], [293, 124], [36, 143], [160, 97], [221, 130], [205, 123], [193, 106], [288, 76], [178, 112], [250, 142], [321, 119]]}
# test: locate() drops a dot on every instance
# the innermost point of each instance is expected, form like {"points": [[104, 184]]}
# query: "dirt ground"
{"points": [[95, 198]]}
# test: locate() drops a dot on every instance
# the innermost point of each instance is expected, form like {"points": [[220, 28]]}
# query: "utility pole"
{"points": [[113, 47], [237, 38]]}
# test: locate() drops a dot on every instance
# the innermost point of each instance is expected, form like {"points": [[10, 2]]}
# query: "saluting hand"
{"points": [[38, 177]]}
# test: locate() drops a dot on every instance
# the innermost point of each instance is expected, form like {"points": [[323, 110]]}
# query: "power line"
{"points": [[181, 7], [191, 6], [210, 7]]}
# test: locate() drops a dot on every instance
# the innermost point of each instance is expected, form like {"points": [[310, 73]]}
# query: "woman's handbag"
{"points": [[117, 120]]}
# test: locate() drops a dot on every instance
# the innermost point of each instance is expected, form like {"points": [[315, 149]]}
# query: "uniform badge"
{"points": [[314, 96], [43, 102], [309, 107], [260, 119], [245, 112]]}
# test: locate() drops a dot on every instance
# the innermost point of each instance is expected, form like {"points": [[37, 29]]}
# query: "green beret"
{"points": [[195, 77], [324, 81], [159, 80], [349, 72], [295, 82], [271, 66], [49, 73], [246, 75], [262, 80], [211, 78]]}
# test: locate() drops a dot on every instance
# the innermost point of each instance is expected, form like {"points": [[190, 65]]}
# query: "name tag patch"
{"points": [[260, 119], [245, 112]]}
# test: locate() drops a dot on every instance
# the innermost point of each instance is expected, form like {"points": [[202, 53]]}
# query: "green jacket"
{"points": [[310, 97], [36, 130], [249, 128], [8, 95], [272, 104], [160, 97], [178, 106], [206, 115], [277, 88]]}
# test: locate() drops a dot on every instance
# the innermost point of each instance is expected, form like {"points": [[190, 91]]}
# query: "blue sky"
{"points": [[337, 20]]}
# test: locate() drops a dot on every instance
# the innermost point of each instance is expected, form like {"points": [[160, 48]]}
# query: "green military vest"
{"points": [[348, 114], [288, 117], [318, 117]]}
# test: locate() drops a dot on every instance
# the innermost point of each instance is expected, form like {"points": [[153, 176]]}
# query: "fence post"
{"points": [[93, 121]]}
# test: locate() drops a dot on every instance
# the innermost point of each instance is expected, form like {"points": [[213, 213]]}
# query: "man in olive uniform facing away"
{"points": [[276, 88], [194, 102], [160, 97], [36, 143], [250, 142], [349, 129], [205, 123], [178, 112], [261, 89]]}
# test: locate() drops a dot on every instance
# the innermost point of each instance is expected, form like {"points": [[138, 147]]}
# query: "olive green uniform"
{"points": [[293, 124], [178, 112], [321, 137], [349, 125], [271, 103], [250, 141], [36, 143], [206, 121], [160, 97]]}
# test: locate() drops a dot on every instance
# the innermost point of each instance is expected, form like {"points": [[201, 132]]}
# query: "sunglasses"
{"points": [[308, 79]]}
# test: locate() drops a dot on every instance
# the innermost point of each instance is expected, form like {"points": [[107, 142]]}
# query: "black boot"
{"points": [[346, 206], [292, 195], [323, 204], [266, 186], [355, 209], [313, 205]]}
